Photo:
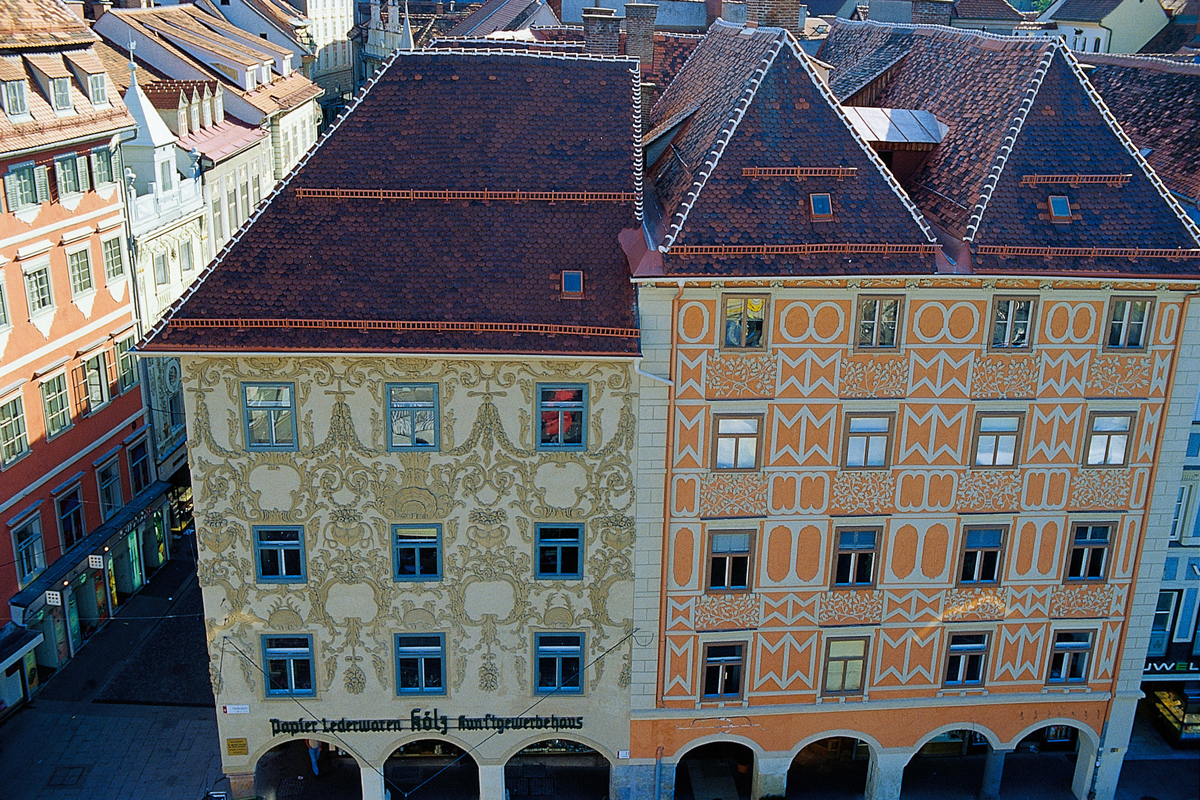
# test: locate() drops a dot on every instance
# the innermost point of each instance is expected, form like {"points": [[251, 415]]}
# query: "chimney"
{"points": [[648, 90], [639, 33], [601, 31], [931, 12], [777, 14]]}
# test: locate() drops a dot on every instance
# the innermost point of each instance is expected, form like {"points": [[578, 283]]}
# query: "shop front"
{"points": [[1171, 684], [19, 665], [81, 591]]}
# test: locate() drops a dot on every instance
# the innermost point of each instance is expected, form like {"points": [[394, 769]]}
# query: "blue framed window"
{"points": [[269, 410], [412, 416], [559, 659], [289, 663], [562, 415], [417, 552], [558, 551], [421, 663], [279, 555]]}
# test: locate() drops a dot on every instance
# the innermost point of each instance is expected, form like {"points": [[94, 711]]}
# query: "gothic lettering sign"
{"points": [[425, 720]]}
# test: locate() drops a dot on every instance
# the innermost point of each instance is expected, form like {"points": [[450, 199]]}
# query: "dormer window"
{"points": [[60, 94], [572, 283], [98, 89], [15, 103], [822, 206], [194, 113], [1060, 208]]}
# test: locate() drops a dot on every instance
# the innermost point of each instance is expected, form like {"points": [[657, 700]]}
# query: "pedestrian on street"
{"points": [[314, 752]]}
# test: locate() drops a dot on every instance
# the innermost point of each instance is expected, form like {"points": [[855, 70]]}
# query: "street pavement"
{"points": [[132, 718]]}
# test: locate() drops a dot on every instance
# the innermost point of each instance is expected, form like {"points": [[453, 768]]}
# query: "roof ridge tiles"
{"points": [[1139, 60], [1127, 143], [1006, 145], [501, 51], [950, 32], [726, 133]]}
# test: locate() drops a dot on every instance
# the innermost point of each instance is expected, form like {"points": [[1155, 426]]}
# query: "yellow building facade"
{"points": [[333, 548]]}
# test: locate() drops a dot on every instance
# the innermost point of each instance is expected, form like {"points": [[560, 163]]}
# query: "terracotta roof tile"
{"points": [[40, 23], [443, 121]]}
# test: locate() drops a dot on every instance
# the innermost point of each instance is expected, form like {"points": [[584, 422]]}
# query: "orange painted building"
{"points": [[79, 505], [917, 397]]}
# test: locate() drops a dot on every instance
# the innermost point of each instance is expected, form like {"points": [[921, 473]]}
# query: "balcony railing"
{"points": [[149, 211]]}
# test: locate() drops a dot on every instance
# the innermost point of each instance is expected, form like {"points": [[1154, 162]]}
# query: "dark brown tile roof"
{"points": [[442, 121], [985, 9], [1170, 39], [1016, 108], [1085, 10], [747, 99], [40, 23], [1157, 102], [494, 15]]}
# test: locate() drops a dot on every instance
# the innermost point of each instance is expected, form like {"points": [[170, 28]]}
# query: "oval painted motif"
{"points": [[783, 494], [1082, 322], [931, 321], [779, 553], [933, 555], [904, 551], [796, 322], [1025, 543], [1128, 549], [808, 553], [963, 322], [694, 322], [1048, 548], [684, 556], [685, 496], [1168, 315], [829, 322], [813, 490]]}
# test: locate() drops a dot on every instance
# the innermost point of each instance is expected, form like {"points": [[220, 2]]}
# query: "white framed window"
{"points": [[60, 94], [70, 517], [162, 270], [114, 259], [37, 288], [57, 405], [71, 172], [102, 165], [30, 552], [1128, 323], [14, 440], [127, 374], [98, 89], [79, 267], [91, 383], [5, 320], [26, 185], [966, 658], [140, 470], [16, 103], [1108, 440], [108, 478], [1179, 517], [186, 263]]}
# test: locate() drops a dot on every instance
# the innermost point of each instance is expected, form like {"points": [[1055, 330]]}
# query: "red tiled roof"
{"points": [[1158, 104], [986, 9], [1085, 10], [1015, 107], [441, 121], [1170, 40], [45, 127], [40, 23], [748, 99]]}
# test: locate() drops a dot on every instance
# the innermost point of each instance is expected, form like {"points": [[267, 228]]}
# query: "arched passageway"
{"points": [[950, 766], [716, 771], [431, 769], [285, 772], [830, 769], [1043, 764], [557, 768]]}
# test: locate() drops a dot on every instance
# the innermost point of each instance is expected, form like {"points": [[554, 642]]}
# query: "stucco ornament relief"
{"points": [[850, 608], [1004, 376], [733, 495], [869, 492], [990, 490], [874, 376], [741, 375], [1081, 601], [1101, 488], [1119, 376], [349, 491], [974, 604], [727, 610]]}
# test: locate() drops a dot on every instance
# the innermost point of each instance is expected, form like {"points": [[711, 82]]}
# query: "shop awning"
{"points": [[15, 642], [120, 523]]}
